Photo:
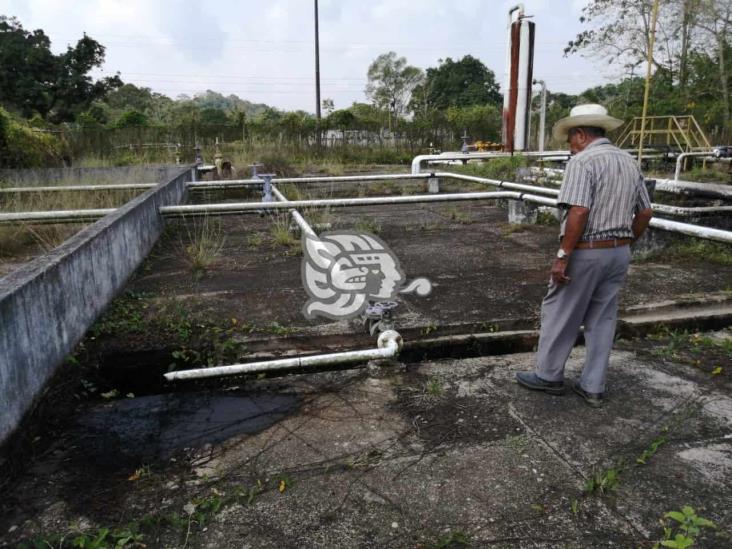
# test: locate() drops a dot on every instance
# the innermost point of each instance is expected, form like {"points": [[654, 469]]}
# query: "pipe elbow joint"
{"points": [[389, 338]]}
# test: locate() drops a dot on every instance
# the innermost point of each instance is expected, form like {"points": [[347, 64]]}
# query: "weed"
{"points": [[603, 482], [125, 315], [255, 240], [140, 472], [518, 443], [434, 387], [367, 226], [704, 175], [681, 528], [458, 215], [203, 244], [275, 328], [575, 507], [653, 447], [693, 348], [431, 327], [695, 250], [101, 539], [452, 540], [497, 168], [489, 327], [512, 228], [292, 191], [280, 230], [546, 219], [383, 188]]}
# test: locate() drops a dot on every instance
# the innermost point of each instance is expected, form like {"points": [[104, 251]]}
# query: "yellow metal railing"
{"points": [[681, 133]]}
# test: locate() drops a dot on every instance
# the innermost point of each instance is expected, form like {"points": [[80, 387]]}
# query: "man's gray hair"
{"points": [[591, 130]]}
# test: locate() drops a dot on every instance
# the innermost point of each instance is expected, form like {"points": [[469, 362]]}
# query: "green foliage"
{"points": [[604, 481], [482, 122], [33, 79], [696, 249], [131, 119], [390, 83], [681, 528], [502, 169], [452, 540], [24, 147], [653, 447], [461, 83]]}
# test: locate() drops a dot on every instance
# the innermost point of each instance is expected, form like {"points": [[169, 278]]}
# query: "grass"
{"points": [[460, 216], [503, 168], [32, 239], [365, 225], [203, 242], [281, 234], [705, 175], [706, 353], [700, 250], [602, 482]]}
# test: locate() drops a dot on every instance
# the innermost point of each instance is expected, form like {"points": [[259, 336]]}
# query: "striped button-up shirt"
{"points": [[608, 181]]}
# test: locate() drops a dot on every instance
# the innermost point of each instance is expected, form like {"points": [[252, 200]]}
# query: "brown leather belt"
{"points": [[614, 243]]}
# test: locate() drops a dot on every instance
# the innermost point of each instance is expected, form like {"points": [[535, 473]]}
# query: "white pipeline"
{"points": [[498, 183], [55, 216], [76, 188], [388, 346], [682, 156], [206, 185], [698, 231], [243, 207], [299, 219], [417, 161]]}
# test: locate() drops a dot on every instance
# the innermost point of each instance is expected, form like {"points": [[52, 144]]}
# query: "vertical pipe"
{"points": [[519, 134], [510, 136], [507, 119], [542, 116], [317, 67]]}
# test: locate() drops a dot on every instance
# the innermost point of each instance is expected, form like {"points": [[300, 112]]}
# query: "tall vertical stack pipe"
{"points": [[518, 80]]}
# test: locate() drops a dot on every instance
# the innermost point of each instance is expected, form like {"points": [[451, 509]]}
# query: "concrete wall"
{"points": [[47, 305], [89, 176]]}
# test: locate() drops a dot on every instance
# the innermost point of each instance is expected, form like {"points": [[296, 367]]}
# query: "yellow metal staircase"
{"points": [[679, 133]]}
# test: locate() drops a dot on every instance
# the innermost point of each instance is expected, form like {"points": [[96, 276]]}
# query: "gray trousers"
{"points": [[590, 298]]}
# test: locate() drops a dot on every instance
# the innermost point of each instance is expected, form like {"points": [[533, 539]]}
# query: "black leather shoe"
{"points": [[531, 381], [593, 399]]}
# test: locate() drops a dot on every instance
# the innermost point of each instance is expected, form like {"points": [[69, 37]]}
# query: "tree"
{"points": [[390, 83], [715, 20], [131, 119], [32, 79], [461, 84], [211, 116], [619, 30]]}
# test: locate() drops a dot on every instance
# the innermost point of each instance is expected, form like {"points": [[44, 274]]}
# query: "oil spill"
{"points": [[158, 427]]}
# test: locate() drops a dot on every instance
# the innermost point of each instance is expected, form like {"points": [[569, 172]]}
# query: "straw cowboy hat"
{"points": [[591, 114]]}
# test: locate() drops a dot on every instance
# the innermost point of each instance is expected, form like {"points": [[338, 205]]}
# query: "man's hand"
{"points": [[559, 267]]}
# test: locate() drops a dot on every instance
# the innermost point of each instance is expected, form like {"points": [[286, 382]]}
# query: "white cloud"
{"points": [[263, 51]]}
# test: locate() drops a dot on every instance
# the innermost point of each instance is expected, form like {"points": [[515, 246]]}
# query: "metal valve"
{"points": [[378, 316]]}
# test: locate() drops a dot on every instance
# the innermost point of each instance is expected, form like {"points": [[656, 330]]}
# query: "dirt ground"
{"points": [[435, 453]]}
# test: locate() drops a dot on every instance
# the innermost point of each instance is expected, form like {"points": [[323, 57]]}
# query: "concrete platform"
{"points": [[421, 455]]}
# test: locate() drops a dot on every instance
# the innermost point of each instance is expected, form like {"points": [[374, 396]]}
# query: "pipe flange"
{"points": [[388, 336]]}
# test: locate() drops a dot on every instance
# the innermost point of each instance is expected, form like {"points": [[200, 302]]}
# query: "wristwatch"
{"points": [[561, 254]]}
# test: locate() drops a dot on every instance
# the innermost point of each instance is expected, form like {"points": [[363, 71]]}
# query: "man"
{"points": [[605, 207]]}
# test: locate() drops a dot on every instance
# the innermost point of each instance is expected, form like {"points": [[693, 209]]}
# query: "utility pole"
{"points": [[651, 41], [317, 67], [542, 115]]}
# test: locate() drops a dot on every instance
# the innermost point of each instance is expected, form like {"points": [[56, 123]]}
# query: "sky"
{"points": [[263, 51]]}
